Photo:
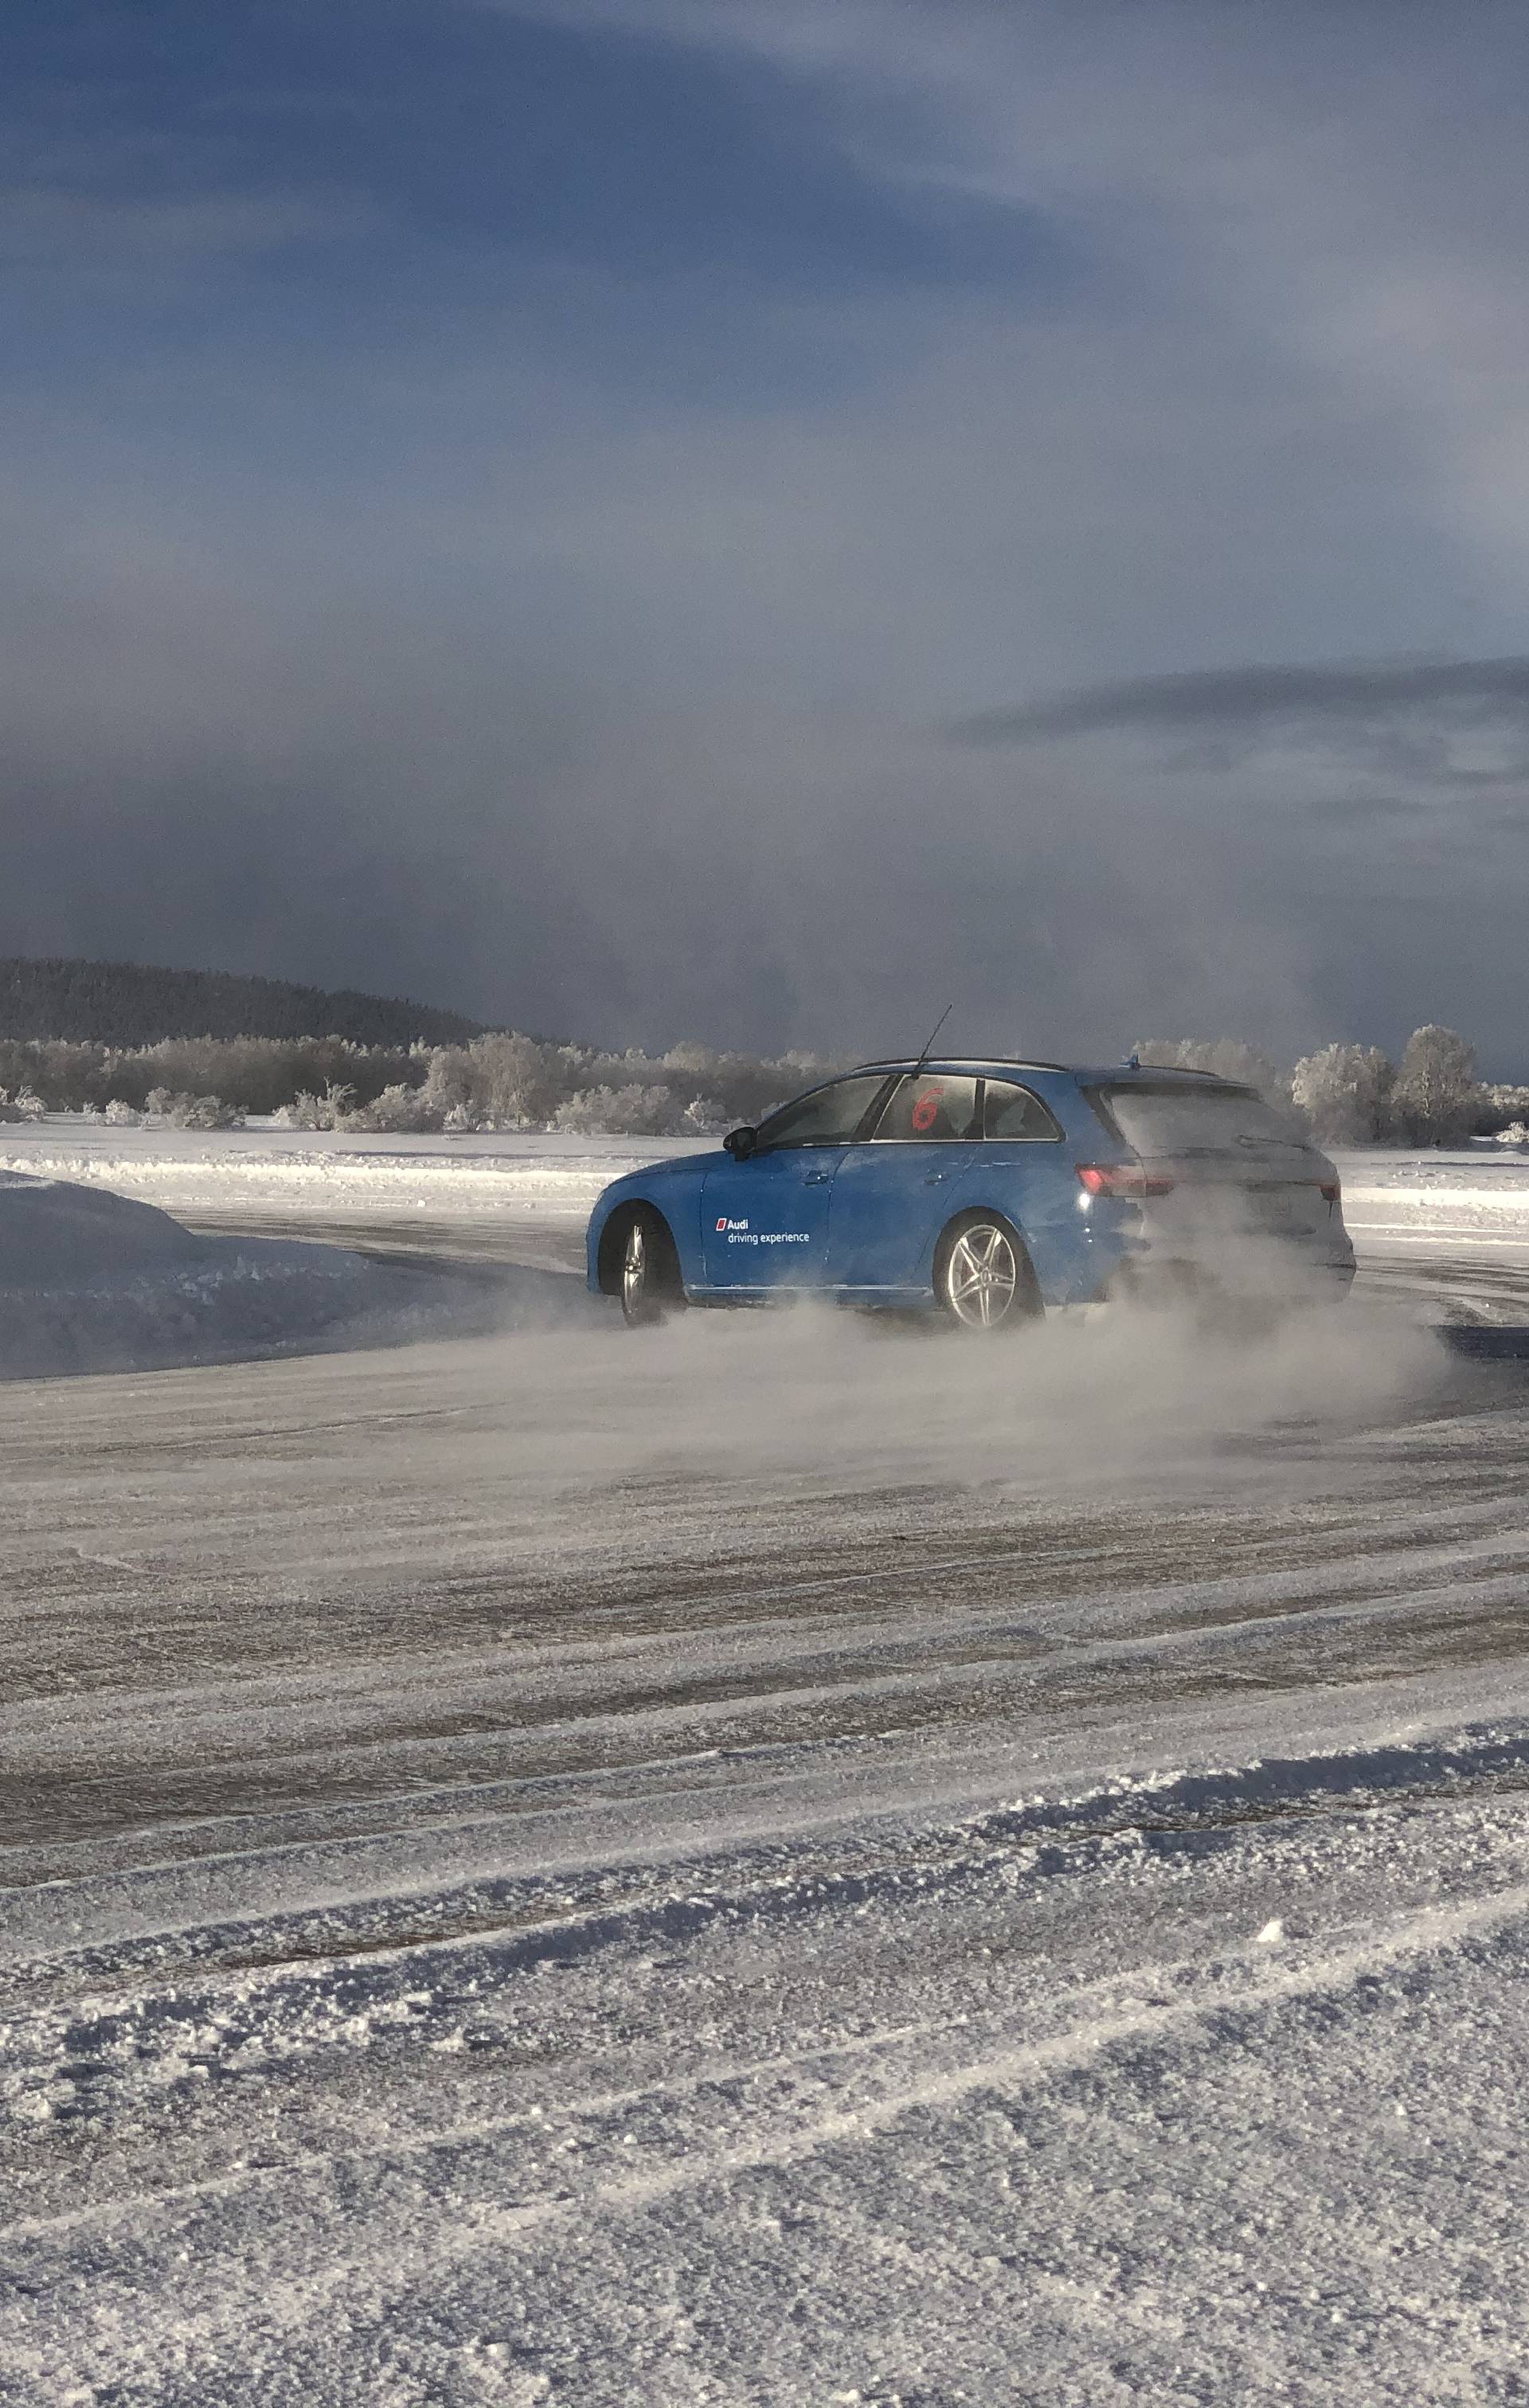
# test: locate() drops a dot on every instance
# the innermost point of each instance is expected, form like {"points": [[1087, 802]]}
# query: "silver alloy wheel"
{"points": [[982, 1276], [638, 1303]]}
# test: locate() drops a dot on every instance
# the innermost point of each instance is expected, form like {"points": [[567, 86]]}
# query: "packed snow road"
{"points": [[288, 1581], [771, 1862]]}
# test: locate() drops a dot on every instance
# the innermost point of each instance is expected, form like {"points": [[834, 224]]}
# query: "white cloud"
{"points": [[1342, 188]]}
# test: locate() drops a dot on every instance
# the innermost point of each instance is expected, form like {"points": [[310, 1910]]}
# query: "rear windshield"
{"points": [[1195, 1119]]}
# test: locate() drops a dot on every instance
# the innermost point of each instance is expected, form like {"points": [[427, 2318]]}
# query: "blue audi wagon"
{"points": [[987, 1192]]}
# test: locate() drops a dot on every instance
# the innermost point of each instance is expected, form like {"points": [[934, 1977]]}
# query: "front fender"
{"points": [[675, 1200], [609, 1200]]}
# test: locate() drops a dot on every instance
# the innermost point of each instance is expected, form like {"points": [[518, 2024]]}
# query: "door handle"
{"points": [[817, 1179]]}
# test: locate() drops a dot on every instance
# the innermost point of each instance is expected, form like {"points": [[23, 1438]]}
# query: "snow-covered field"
{"points": [[499, 1188], [499, 1197], [768, 1862], [1477, 1198]]}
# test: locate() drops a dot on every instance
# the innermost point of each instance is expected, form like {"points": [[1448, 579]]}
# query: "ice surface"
{"points": [[766, 1862]]}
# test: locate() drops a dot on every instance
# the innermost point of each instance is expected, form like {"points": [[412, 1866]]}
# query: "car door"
{"points": [[1024, 1170], [893, 1192], [764, 1220]]}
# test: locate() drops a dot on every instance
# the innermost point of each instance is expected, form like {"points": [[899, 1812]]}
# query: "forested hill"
{"points": [[128, 1003]]}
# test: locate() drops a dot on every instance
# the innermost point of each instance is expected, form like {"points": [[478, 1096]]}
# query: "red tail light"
{"points": [[1122, 1179], [1332, 1189]]}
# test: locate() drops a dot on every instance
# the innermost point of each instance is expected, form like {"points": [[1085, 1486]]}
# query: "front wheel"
{"points": [[650, 1284], [982, 1276]]}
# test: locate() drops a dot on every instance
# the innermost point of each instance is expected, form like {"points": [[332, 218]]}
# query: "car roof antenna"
{"points": [[929, 1041]]}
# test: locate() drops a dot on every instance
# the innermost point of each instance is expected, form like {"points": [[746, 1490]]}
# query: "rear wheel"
{"points": [[982, 1276]]}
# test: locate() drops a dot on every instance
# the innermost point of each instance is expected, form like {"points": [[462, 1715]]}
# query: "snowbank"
{"points": [[53, 1235], [91, 1281]]}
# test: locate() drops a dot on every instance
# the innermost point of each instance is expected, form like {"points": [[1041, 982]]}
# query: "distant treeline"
{"points": [[1347, 1095], [126, 1004], [497, 1081]]}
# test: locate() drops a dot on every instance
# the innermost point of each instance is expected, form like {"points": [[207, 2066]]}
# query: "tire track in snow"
{"points": [[303, 2196], [352, 1962]]}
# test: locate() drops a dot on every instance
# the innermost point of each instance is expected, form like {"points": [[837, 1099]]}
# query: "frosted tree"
{"points": [[1503, 1108], [626, 1111], [400, 1110], [693, 1061], [329, 1110], [1345, 1093], [499, 1081], [1226, 1057], [188, 1111], [1436, 1096]]}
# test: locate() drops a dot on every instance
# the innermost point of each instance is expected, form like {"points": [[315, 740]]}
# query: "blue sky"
{"points": [[581, 512], [389, 174]]}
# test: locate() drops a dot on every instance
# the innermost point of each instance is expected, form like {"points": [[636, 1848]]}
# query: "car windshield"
{"points": [[1196, 1119], [827, 1116]]}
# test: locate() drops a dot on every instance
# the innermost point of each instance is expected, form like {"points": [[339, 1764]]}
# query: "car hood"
{"points": [[678, 1165]]}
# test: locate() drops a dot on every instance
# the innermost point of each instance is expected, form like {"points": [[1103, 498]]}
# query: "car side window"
{"points": [[828, 1116], [1016, 1116], [931, 1107]]}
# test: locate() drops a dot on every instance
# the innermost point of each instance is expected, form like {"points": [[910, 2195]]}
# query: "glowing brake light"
{"points": [[1122, 1179]]}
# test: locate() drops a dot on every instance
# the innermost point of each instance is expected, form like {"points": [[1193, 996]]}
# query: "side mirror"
{"points": [[740, 1143]]}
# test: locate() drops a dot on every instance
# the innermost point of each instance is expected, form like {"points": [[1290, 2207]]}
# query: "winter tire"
{"points": [[650, 1284], [982, 1276]]}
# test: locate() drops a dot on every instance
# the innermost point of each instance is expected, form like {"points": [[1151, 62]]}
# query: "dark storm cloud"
{"points": [[1252, 697], [494, 501]]}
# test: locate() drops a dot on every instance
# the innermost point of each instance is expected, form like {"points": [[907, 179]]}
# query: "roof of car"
{"points": [[1112, 1072], [958, 1061]]}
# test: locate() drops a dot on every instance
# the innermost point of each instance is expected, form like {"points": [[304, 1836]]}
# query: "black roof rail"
{"points": [[1184, 1070], [978, 1061]]}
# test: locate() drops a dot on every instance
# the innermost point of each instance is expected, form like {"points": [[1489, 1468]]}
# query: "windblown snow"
{"points": [[767, 1862]]}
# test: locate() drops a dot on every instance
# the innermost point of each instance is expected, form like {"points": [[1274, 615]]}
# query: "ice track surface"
{"points": [[773, 1863]]}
